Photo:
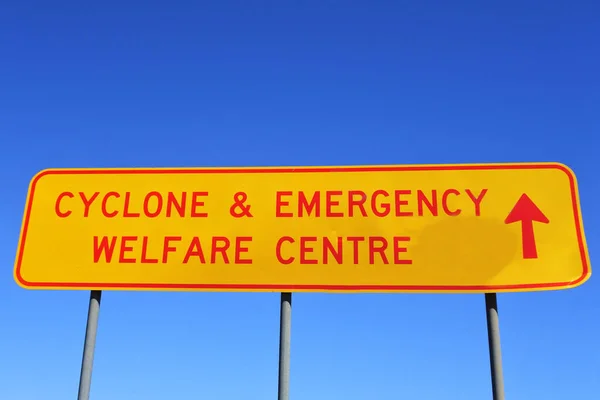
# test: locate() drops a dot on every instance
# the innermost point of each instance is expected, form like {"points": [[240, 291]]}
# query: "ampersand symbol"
{"points": [[239, 209]]}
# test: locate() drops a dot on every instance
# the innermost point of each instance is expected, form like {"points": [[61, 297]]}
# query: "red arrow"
{"points": [[526, 211]]}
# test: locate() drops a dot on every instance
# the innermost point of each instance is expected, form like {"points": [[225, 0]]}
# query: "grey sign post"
{"points": [[85, 378], [493, 328], [284, 346]]}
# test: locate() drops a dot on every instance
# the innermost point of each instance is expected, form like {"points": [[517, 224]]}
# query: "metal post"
{"points": [[493, 328], [284, 346], [85, 379]]}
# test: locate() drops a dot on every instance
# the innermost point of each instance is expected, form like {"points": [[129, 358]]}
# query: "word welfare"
{"points": [[330, 204]]}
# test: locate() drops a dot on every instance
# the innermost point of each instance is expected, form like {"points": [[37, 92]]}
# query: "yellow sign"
{"points": [[416, 228]]}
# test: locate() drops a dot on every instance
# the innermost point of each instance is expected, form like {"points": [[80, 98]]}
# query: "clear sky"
{"points": [[291, 82]]}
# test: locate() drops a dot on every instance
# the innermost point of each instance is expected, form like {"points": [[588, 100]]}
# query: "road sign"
{"points": [[412, 228]]}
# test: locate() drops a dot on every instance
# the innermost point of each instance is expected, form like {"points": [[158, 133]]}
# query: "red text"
{"points": [[379, 203], [324, 250], [145, 250], [151, 205]]}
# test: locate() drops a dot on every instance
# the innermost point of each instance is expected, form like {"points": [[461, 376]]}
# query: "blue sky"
{"points": [[238, 83]]}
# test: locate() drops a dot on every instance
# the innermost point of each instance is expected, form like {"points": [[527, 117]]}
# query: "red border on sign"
{"points": [[277, 287]]}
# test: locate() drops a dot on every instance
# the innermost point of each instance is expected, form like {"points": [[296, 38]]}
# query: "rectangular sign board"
{"points": [[467, 228]]}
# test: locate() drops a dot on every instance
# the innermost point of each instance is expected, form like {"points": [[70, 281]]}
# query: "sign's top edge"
{"points": [[323, 168], [308, 169]]}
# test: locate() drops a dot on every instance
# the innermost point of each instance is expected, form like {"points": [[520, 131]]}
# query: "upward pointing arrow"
{"points": [[526, 212]]}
